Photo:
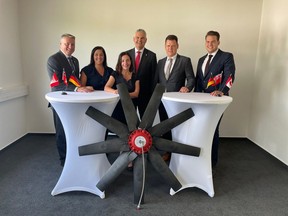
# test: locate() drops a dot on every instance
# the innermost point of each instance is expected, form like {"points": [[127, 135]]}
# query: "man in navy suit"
{"points": [[61, 67], [215, 74], [175, 72], [145, 69]]}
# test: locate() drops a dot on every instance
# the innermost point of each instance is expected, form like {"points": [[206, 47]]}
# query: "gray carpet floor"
{"points": [[248, 181]]}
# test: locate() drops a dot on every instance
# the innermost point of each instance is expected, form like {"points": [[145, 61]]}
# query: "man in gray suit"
{"points": [[63, 71], [175, 72], [145, 69]]}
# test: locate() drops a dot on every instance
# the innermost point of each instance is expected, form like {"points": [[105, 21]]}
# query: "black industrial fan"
{"points": [[138, 142]]}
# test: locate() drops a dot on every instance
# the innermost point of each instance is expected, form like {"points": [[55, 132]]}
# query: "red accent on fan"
{"points": [[139, 139]]}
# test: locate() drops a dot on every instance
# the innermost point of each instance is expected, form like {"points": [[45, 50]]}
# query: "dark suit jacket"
{"points": [[182, 71], [223, 62], [146, 71], [57, 63]]}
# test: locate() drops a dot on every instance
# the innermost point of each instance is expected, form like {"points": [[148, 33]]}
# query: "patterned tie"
{"points": [[70, 60], [167, 73], [207, 64], [137, 61]]}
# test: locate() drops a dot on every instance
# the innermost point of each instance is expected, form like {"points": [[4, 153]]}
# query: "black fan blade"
{"points": [[108, 146], [175, 147], [139, 183], [152, 107], [107, 121], [168, 124], [116, 169], [128, 107], [161, 167]]}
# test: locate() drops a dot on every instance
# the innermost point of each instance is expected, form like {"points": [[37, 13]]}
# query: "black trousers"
{"points": [[215, 145], [60, 136]]}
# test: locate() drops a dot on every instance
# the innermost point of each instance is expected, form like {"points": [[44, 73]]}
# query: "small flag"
{"points": [[64, 77], [213, 81], [229, 82], [217, 79], [210, 82], [74, 80], [54, 81]]}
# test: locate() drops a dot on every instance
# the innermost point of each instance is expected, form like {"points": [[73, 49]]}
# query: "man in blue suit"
{"points": [[61, 67], [215, 74], [175, 72]]}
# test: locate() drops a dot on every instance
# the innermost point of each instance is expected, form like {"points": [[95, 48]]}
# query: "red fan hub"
{"points": [[140, 139]]}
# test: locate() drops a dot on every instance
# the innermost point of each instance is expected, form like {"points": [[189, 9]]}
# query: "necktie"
{"points": [[207, 64], [137, 61], [167, 73], [70, 60]]}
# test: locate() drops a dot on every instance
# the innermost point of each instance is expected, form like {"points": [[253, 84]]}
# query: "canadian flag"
{"points": [[54, 81], [229, 82]]}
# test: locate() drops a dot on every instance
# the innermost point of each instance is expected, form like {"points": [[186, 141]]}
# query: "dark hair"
{"points": [[92, 61], [172, 37], [119, 66], [213, 33]]}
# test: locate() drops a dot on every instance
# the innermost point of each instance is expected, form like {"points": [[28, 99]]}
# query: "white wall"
{"points": [[112, 24], [12, 104], [259, 107], [269, 114]]}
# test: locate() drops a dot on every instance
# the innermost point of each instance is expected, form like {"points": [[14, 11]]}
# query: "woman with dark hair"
{"points": [[97, 73], [123, 74]]}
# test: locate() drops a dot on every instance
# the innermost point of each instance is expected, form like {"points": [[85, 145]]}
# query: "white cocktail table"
{"points": [[197, 131], [81, 173]]}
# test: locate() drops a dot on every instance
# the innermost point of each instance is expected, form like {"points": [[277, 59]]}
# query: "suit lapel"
{"points": [[176, 63], [67, 68], [143, 59], [213, 65]]}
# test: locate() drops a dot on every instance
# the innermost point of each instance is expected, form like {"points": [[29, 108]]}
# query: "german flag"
{"points": [[75, 81], [211, 82]]}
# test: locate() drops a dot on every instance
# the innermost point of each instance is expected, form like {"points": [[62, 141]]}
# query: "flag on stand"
{"points": [[229, 82], [213, 81], [54, 81], [210, 82], [64, 77], [75, 81], [217, 79]]}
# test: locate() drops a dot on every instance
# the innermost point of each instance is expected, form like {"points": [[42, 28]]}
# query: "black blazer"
{"points": [[57, 63], [223, 62], [181, 75], [146, 71]]}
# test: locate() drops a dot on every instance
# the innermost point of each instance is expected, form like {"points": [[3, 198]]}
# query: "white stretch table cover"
{"points": [[82, 173], [197, 131]]}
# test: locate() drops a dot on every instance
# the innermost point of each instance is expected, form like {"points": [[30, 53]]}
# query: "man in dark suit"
{"points": [[61, 67], [144, 63], [215, 74], [175, 72]]}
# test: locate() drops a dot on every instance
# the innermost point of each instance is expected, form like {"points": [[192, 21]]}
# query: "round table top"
{"points": [[196, 97], [80, 97]]}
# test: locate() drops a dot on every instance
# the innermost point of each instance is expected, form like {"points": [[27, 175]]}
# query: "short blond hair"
{"points": [[67, 35]]}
